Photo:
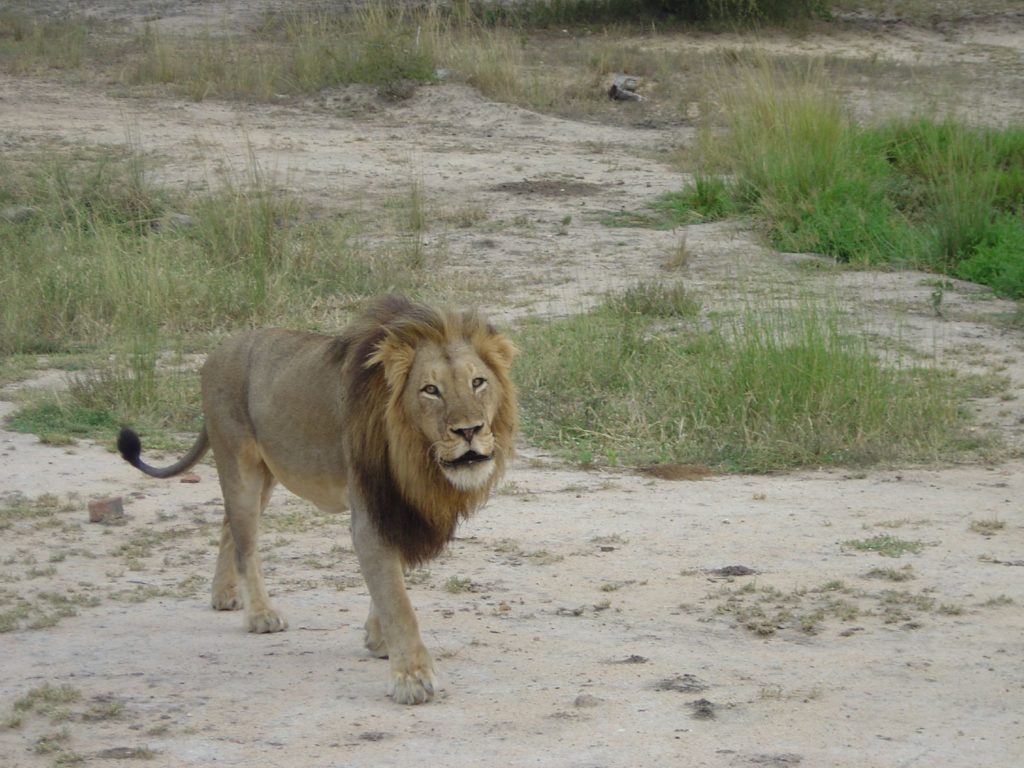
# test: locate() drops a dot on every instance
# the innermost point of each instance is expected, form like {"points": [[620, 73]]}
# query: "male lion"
{"points": [[408, 417]]}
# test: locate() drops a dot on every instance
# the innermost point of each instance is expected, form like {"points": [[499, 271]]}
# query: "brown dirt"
{"points": [[583, 617]]}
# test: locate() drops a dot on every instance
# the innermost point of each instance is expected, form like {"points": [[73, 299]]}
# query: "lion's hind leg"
{"points": [[247, 484], [225, 596], [374, 638]]}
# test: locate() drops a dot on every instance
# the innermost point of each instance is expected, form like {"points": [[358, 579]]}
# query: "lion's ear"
{"points": [[396, 358], [500, 351]]}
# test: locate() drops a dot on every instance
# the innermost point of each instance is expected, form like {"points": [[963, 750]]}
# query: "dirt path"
{"points": [[581, 619]]}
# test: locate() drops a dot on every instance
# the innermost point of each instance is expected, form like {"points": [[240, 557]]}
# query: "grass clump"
{"points": [[987, 527], [136, 385], [379, 43], [17, 509], [104, 255], [46, 698], [906, 573], [31, 44], [886, 545], [930, 193], [774, 388], [657, 300], [458, 584], [708, 198], [58, 422]]}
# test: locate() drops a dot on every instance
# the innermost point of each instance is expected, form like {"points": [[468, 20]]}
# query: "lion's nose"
{"points": [[467, 433]]}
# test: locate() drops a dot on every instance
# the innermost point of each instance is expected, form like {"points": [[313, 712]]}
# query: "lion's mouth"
{"points": [[468, 459]]}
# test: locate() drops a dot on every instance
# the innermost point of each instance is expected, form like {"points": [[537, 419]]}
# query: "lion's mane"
{"points": [[409, 500]]}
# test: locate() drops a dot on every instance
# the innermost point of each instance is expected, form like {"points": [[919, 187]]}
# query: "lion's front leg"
{"points": [[392, 626]]}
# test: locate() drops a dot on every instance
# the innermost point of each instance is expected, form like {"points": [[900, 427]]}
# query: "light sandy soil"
{"points": [[582, 618]]}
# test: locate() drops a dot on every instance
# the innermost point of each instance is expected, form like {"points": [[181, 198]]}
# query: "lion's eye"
{"points": [[479, 382], [431, 391]]}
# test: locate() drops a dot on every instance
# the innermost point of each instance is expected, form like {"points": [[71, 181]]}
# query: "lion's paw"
{"points": [[266, 621], [414, 686], [226, 600]]}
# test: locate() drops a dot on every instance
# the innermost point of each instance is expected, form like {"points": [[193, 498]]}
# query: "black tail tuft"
{"points": [[130, 447]]}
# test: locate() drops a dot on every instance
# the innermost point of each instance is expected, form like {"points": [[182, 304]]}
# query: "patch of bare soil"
{"points": [[582, 618]]}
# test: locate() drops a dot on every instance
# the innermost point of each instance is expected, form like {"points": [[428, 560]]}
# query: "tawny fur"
{"points": [[409, 414]]}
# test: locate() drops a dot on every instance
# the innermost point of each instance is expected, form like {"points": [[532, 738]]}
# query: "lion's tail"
{"points": [[130, 447]]}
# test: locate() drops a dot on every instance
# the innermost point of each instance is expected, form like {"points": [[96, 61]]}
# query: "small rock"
{"points": [[106, 510], [189, 478], [620, 94], [623, 88], [627, 82]]}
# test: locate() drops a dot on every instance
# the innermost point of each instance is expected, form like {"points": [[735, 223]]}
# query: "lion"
{"points": [[408, 417]]}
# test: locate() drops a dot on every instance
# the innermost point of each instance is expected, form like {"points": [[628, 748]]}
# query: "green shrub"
{"points": [[998, 260], [933, 194]]}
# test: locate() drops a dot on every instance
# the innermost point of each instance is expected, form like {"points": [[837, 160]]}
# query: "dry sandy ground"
{"points": [[582, 618]]}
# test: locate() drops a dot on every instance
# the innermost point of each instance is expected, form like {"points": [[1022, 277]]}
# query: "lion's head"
{"points": [[433, 412]]}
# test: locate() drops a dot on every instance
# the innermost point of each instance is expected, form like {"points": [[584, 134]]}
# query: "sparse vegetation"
{"points": [[64, 705], [906, 573], [16, 509], [766, 610], [458, 584], [775, 388], [886, 545], [987, 527], [42, 609], [45, 699], [100, 262]]}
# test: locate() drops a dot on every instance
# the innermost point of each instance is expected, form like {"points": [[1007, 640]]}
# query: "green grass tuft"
{"points": [[886, 545]]}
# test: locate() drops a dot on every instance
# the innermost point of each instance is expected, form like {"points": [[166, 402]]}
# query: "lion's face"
{"points": [[449, 411], [451, 395]]}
